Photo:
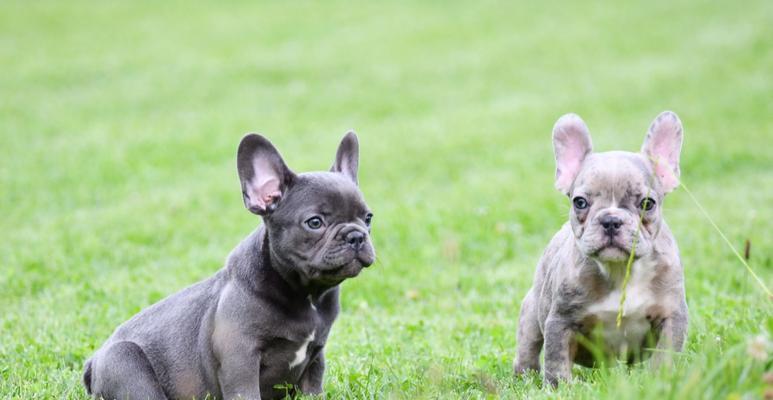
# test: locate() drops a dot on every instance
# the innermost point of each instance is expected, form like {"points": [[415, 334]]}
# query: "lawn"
{"points": [[119, 123]]}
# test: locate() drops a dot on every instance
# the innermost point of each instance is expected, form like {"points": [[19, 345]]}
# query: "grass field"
{"points": [[119, 123]]}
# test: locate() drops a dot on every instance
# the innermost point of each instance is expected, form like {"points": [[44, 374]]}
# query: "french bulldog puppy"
{"points": [[264, 318], [616, 209]]}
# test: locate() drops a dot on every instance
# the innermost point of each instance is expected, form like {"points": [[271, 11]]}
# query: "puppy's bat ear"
{"points": [[263, 174], [347, 157], [571, 144], [662, 147]]}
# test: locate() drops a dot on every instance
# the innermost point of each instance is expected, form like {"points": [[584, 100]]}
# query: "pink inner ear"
{"points": [[263, 194], [571, 143], [662, 147], [569, 164], [666, 175], [665, 145]]}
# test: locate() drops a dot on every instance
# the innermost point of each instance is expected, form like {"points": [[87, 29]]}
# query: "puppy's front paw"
{"points": [[552, 378], [661, 359], [522, 368]]}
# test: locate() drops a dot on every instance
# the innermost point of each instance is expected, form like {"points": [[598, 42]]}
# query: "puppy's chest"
{"points": [[287, 358], [641, 311], [292, 347]]}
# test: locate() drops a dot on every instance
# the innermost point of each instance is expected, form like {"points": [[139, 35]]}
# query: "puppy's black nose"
{"points": [[355, 239], [611, 224]]}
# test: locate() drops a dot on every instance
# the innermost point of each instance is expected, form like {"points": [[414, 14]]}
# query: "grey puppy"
{"points": [[572, 307], [264, 318]]}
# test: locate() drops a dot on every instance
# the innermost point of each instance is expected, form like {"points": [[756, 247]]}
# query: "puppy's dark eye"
{"points": [[368, 218], [647, 204], [314, 222], [580, 203]]}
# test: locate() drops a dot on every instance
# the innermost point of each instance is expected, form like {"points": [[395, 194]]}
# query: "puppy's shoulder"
{"points": [[559, 245], [665, 244], [549, 265]]}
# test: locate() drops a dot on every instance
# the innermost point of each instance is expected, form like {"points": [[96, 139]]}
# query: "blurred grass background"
{"points": [[119, 123]]}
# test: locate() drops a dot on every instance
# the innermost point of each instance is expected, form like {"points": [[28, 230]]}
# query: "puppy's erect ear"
{"points": [[263, 174], [348, 157], [662, 147], [571, 144]]}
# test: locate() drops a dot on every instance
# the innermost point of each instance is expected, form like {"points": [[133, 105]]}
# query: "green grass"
{"points": [[118, 130]]}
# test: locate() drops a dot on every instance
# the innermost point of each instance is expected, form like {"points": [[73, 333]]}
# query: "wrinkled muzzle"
{"points": [[610, 236], [346, 255]]}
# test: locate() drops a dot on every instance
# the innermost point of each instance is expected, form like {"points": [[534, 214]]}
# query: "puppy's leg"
{"points": [[673, 332], [558, 361], [311, 381], [529, 337], [122, 372], [239, 373]]}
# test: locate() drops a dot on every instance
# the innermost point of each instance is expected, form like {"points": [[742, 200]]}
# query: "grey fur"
{"points": [[572, 305], [264, 318]]}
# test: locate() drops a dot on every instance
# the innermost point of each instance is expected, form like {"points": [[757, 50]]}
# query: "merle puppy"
{"points": [[264, 318], [616, 210]]}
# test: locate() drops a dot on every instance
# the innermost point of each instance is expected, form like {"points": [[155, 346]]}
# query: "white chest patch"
{"points": [[634, 325], [300, 355]]}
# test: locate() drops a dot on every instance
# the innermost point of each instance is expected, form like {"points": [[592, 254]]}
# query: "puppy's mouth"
{"points": [[358, 260], [612, 251], [346, 270], [338, 267]]}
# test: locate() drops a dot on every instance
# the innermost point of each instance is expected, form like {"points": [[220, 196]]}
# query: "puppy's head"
{"points": [[317, 222], [611, 192]]}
